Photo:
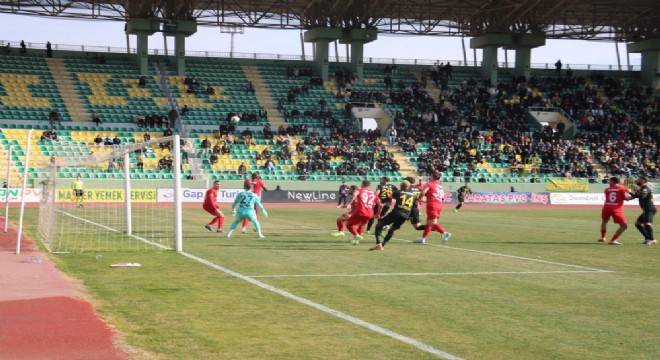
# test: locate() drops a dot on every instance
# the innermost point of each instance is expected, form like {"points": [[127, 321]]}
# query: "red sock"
{"points": [[221, 221], [439, 228], [615, 238], [215, 220], [602, 233], [360, 229], [340, 225], [427, 231], [245, 222], [353, 230]]}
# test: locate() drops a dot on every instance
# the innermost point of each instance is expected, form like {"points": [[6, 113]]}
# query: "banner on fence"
{"points": [[568, 185], [196, 195], [501, 198], [110, 195], [15, 195], [589, 199]]}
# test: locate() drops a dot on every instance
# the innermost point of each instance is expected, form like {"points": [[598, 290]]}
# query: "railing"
{"points": [[289, 57]]}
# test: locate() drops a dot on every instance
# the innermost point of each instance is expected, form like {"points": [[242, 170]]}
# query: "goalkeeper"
{"points": [[78, 191], [245, 203]]}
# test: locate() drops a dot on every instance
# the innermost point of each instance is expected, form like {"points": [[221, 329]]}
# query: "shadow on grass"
{"points": [[535, 243]]}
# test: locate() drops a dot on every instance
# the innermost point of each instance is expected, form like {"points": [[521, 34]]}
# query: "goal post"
{"points": [[101, 198]]}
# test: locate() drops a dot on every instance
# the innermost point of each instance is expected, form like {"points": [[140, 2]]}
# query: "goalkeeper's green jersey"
{"points": [[77, 185]]}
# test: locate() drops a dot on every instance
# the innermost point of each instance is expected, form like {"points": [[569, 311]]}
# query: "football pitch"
{"points": [[513, 283]]}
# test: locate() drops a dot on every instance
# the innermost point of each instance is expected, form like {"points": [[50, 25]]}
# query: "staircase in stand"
{"points": [[264, 96], [15, 177], [406, 167], [196, 167], [72, 101], [598, 167], [434, 91]]}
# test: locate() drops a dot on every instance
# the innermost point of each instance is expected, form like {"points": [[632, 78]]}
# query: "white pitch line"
{"points": [[519, 257], [428, 274], [351, 319], [495, 254]]}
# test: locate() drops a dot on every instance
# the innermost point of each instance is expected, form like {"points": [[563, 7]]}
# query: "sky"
{"points": [[14, 28]]}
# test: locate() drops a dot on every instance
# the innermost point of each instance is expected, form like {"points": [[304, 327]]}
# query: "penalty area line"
{"points": [[494, 254], [477, 273], [351, 319], [587, 269]]}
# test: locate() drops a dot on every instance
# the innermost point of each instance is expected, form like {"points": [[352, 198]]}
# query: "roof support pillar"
{"points": [[180, 29], [142, 28], [357, 38], [490, 43], [143, 53], [650, 50], [523, 45], [321, 37], [180, 54]]}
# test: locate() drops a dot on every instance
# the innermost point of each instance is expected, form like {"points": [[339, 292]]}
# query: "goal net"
{"points": [[104, 197]]}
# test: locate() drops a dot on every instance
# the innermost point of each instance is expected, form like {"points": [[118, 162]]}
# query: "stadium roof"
{"points": [[624, 20]]}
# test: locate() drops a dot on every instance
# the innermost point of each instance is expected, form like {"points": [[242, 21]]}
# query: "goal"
{"points": [[105, 198]]}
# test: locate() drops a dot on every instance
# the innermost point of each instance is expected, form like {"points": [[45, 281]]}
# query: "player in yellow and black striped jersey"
{"points": [[462, 193], [415, 220], [405, 202], [384, 191]]}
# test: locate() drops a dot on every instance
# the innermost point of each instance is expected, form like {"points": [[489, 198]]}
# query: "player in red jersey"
{"points": [[434, 193], [613, 208], [341, 220], [363, 210], [257, 186], [211, 206]]}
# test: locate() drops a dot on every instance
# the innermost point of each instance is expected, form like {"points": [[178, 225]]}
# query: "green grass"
{"points": [[177, 308]]}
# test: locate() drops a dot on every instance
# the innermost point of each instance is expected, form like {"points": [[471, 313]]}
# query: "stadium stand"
{"points": [[214, 91], [111, 89], [54, 149], [445, 121], [28, 91], [300, 96]]}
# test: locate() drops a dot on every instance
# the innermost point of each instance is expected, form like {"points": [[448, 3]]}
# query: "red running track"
{"points": [[41, 316]]}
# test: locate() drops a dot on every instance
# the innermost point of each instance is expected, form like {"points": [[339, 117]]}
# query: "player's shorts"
{"points": [[414, 216], [249, 214], [433, 213], [211, 210], [79, 193], [646, 217], [345, 216], [357, 220], [395, 219], [383, 211], [461, 199], [616, 215]]}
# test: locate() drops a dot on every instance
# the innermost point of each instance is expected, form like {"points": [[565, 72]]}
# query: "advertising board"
{"points": [[589, 199], [196, 195], [109, 195]]}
